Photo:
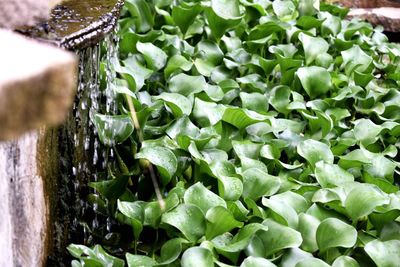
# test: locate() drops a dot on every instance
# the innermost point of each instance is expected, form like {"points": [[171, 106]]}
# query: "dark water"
{"points": [[77, 24]]}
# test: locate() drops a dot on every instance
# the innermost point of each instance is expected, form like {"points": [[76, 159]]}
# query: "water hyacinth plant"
{"points": [[271, 128]]}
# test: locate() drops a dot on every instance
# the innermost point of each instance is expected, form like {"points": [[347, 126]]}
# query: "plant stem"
{"points": [[136, 123]]}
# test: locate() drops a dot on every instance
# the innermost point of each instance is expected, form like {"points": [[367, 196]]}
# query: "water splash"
{"points": [[83, 158]]}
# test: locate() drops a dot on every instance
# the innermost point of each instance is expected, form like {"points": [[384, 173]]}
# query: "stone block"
{"points": [[18, 13], [37, 84]]}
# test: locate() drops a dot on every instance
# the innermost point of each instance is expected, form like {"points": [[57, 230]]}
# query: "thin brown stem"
{"points": [[153, 176]]}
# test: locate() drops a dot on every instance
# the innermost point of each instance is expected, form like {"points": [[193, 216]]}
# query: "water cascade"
{"points": [[48, 170]]}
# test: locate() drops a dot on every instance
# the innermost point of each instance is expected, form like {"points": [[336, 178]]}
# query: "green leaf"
{"points": [[134, 211], [345, 261], [139, 260], [313, 47], [316, 81], [223, 15], [94, 257], [257, 183], [186, 85], [188, 219], [171, 250], [197, 257], [111, 189], [308, 226], [256, 262], [163, 158], [203, 198], [312, 262], [355, 59], [178, 104], [177, 62], [219, 221], [286, 214], [185, 14], [314, 151], [112, 129], [329, 175], [141, 12], [279, 237], [363, 199], [154, 56], [344, 235], [366, 131], [384, 254], [241, 118]]}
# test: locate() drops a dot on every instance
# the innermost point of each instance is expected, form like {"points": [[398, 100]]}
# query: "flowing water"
{"points": [[83, 158]]}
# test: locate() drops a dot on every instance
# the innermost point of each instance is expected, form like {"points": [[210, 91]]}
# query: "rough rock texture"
{"points": [[37, 84], [17, 13], [388, 17], [369, 3], [24, 215]]}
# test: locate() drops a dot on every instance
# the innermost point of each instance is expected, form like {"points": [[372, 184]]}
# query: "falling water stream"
{"points": [[83, 158]]}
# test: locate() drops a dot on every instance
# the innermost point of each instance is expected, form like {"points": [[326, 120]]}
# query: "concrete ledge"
{"points": [[388, 17], [17, 13], [37, 84]]}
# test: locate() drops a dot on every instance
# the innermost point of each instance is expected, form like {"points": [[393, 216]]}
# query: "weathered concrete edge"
{"points": [[92, 34], [377, 16]]}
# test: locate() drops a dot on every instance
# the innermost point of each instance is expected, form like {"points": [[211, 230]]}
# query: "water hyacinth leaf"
{"points": [[345, 261], [363, 199], [134, 211], [312, 262], [203, 198], [219, 221], [385, 253], [96, 256], [315, 80], [171, 250], [329, 175], [112, 129], [111, 189], [284, 9], [178, 104], [135, 68], [139, 260], [185, 84], [355, 59], [287, 215], [197, 257], [230, 188], [314, 151], [308, 7], [308, 226], [257, 183], [254, 101], [279, 237], [188, 219], [241, 118], [177, 62], [256, 262], [366, 131], [280, 98], [154, 56], [185, 14], [294, 256], [313, 47], [141, 11], [345, 235], [223, 15], [241, 240], [163, 158]]}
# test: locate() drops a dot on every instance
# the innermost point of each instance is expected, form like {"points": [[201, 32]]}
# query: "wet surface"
{"points": [[78, 24]]}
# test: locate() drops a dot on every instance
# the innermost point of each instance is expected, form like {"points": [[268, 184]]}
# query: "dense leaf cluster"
{"points": [[274, 130]]}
